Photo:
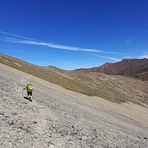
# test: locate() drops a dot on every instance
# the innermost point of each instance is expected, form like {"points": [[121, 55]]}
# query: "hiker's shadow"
{"points": [[27, 98]]}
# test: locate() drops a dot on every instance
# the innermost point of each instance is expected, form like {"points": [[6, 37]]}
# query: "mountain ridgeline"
{"points": [[128, 67], [114, 88]]}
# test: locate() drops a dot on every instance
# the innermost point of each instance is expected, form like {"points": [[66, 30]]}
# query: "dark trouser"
{"points": [[29, 93]]}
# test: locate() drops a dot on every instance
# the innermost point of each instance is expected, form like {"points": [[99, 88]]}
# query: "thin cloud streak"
{"points": [[14, 35], [51, 45], [57, 46], [13, 38], [106, 57]]}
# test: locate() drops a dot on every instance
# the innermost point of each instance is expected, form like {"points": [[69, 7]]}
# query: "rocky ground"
{"points": [[59, 118]]}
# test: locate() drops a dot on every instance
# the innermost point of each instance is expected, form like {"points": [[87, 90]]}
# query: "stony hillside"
{"points": [[128, 67], [113, 88], [59, 118]]}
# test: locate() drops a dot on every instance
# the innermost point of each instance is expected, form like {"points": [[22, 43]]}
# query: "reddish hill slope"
{"points": [[127, 67]]}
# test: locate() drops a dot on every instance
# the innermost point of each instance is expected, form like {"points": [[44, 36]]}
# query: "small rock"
{"points": [[50, 144], [84, 138], [19, 130], [145, 138], [1, 113], [6, 116], [80, 138], [11, 122]]}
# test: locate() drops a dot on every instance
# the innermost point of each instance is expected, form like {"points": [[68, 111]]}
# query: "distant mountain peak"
{"points": [[128, 67]]}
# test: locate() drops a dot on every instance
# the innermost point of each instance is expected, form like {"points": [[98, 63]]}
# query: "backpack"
{"points": [[29, 88]]}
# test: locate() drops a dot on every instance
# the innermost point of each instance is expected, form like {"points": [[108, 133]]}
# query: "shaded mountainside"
{"points": [[113, 88], [128, 67]]}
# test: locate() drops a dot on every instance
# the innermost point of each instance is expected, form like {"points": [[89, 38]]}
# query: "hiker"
{"points": [[29, 91]]}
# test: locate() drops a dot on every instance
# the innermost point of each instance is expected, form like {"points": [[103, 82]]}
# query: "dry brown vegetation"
{"points": [[113, 88]]}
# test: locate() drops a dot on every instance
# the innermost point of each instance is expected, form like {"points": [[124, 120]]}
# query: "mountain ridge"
{"points": [[127, 67]]}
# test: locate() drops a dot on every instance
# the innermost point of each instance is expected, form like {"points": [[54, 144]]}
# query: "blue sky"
{"points": [[72, 34]]}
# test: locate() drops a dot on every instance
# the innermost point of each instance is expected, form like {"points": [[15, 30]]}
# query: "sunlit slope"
{"points": [[113, 88]]}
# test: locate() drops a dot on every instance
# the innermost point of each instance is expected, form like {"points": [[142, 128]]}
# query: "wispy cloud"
{"points": [[9, 37], [52, 45], [7, 34], [111, 58], [107, 57]]}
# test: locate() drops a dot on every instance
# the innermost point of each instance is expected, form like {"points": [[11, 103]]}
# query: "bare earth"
{"points": [[59, 118]]}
